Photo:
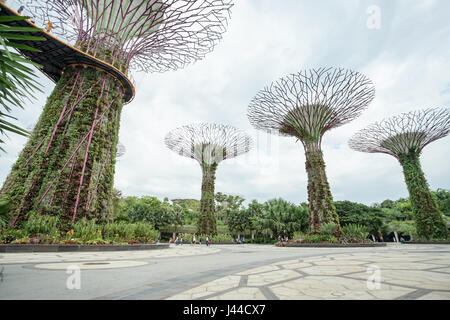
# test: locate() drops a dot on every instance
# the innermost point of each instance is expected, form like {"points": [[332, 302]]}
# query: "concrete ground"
{"points": [[231, 272]]}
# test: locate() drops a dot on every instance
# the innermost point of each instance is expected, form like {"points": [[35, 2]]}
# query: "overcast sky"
{"points": [[407, 58]]}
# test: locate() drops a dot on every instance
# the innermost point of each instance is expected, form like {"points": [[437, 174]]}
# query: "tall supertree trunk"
{"points": [[207, 219], [429, 220], [67, 166], [320, 208]]}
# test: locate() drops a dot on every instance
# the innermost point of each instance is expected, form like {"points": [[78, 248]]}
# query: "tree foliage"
{"points": [[283, 218], [17, 79], [151, 210], [360, 214]]}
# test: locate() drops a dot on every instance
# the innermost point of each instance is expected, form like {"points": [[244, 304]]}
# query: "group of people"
{"points": [[179, 240], [240, 240], [281, 239]]}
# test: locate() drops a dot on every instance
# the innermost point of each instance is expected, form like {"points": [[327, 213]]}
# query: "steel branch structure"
{"points": [[149, 35], [67, 167], [209, 144], [409, 132], [306, 105], [404, 138]]}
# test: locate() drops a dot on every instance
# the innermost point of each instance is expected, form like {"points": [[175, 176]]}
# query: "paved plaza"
{"points": [[232, 272]]}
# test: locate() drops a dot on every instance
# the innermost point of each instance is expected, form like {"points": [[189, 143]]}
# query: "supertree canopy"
{"points": [[404, 137], [67, 166], [306, 105], [150, 35], [209, 144]]}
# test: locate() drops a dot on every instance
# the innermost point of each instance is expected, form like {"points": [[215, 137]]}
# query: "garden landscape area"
{"points": [[104, 105]]}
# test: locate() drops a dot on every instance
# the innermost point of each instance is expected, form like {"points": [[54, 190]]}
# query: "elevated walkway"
{"points": [[57, 55]]}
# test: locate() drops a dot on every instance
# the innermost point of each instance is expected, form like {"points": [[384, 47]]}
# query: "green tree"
{"points": [[115, 203], [442, 197], [283, 218], [360, 214], [158, 213], [239, 221], [190, 210], [226, 204], [255, 210]]}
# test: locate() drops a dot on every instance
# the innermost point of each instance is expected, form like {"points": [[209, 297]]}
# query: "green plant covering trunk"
{"points": [[67, 167], [430, 223], [320, 208], [207, 219]]}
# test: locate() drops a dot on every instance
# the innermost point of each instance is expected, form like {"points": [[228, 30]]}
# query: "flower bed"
{"points": [[15, 248]]}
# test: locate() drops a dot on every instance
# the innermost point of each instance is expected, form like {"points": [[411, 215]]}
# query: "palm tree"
{"points": [[17, 81]]}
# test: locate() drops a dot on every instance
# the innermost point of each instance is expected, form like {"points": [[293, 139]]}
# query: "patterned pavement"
{"points": [[381, 274], [239, 272]]}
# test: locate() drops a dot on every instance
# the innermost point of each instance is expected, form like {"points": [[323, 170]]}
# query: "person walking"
{"points": [[176, 241], [207, 241], [200, 240], [193, 240]]}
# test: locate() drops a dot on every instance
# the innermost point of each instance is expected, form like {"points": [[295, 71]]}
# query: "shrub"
{"points": [[9, 235], [4, 208], [187, 237], [122, 218], [145, 231], [355, 231], [261, 240], [221, 238], [119, 231], [298, 235], [328, 229], [86, 230], [37, 225]]}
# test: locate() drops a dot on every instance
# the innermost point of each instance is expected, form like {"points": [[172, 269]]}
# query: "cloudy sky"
{"points": [[406, 54]]}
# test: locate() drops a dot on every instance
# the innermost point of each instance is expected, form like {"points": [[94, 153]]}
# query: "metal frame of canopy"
{"points": [[56, 56]]}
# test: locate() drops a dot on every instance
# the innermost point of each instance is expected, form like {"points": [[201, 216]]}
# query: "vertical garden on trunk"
{"points": [[306, 105], [67, 166], [404, 137]]}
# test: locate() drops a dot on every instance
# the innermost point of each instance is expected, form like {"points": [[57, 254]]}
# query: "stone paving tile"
{"points": [[424, 280], [209, 288], [333, 270], [440, 269], [436, 295], [403, 275], [334, 288], [341, 262], [271, 277], [259, 270], [173, 251], [297, 266], [91, 265], [404, 266], [241, 294]]}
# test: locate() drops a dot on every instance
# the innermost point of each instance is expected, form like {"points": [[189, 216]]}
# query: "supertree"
{"points": [[67, 166], [209, 144], [306, 105], [404, 138]]}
